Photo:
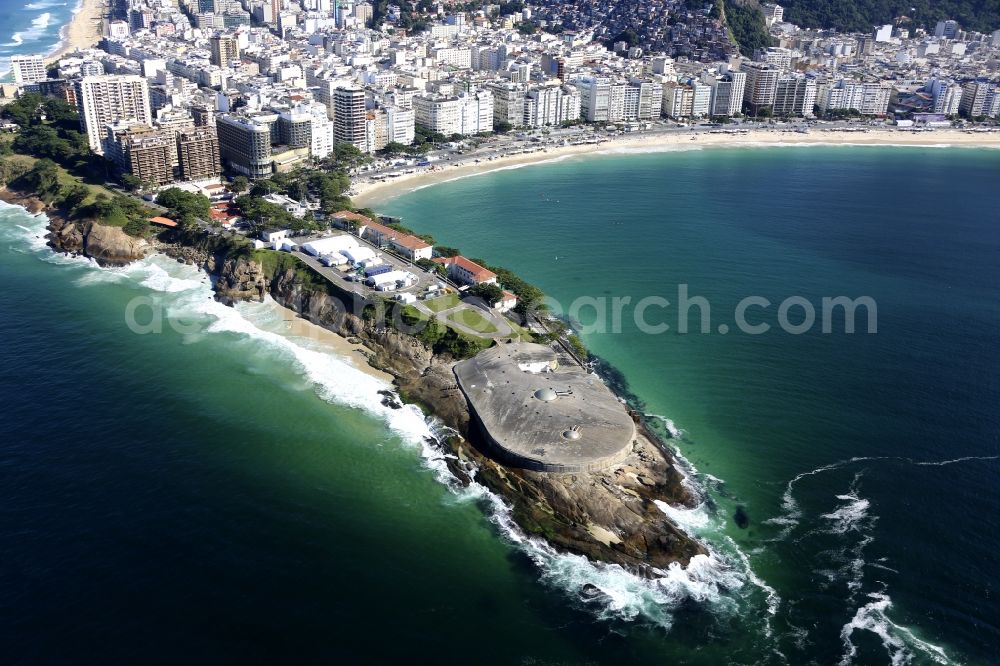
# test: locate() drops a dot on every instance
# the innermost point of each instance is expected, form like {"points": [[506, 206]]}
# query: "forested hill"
{"points": [[861, 15]]}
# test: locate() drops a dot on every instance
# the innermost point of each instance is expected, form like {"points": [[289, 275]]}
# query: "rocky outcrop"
{"points": [[240, 280], [608, 516], [107, 245]]}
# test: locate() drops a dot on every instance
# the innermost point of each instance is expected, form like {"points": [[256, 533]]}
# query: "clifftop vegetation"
{"points": [[745, 20], [862, 15]]}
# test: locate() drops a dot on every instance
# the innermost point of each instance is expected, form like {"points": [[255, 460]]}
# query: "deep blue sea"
{"points": [[224, 491], [32, 27]]}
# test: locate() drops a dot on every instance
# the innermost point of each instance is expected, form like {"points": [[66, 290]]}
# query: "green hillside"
{"points": [[861, 15]]}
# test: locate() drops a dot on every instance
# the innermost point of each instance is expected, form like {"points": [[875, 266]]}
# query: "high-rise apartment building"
{"points": [[727, 93], [198, 153], [225, 49], [795, 96], [142, 151], [363, 11], [946, 29], [595, 98], [27, 68], [349, 117], [866, 97], [974, 94], [112, 99], [947, 96], [467, 113], [245, 143], [761, 86]]}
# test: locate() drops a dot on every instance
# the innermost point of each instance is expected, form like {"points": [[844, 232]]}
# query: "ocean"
{"points": [[223, 491], [34, 27]]}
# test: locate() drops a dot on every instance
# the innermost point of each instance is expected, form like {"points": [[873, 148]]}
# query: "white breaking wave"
{"points": [[668, 424], [608, 590], [791, 513], [39, 27], [651, 148], [850, 516], [899, 642], [44, 5]]}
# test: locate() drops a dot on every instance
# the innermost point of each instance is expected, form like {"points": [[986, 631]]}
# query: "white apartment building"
{"points": [[595, 98], [701, 98], [868, 98], [454, 57], [947, 96], [111, 99], [648, 97], [773, 13], [775, 57], [27, 68], [616, 102], [466, 114], [795, 96], [727, 94], [118, 30], [678, 100], [977, 99], [321, 128], [551, 105], [400, 125]]}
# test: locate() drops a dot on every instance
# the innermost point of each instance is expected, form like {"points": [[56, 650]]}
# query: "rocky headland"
{"points": [[609, 516]]}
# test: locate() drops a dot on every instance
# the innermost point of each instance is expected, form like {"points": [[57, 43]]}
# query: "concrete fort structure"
{"points": [[537, 415]]}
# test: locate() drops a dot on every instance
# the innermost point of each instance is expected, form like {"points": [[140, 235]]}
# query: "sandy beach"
{"points": [[355, 353], [368, 193], [84, 31]]}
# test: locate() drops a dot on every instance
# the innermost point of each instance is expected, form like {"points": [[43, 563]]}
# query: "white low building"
{"points": [[356, 255], [330, 245], [275, 235], [391, 280]]}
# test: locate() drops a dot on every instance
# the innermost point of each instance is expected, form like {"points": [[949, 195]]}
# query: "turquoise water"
{"points": [[231, 493], [32, 27], [916, 230]]}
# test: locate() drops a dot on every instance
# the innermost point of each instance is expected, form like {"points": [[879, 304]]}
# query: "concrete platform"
{"points": [[537, 415]]}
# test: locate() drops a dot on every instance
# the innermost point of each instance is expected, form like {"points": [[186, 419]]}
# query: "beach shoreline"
{"points": [[370, 193], [83, 31]]}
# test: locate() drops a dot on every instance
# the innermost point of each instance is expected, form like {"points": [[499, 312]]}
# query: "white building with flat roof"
{"points": [[110, 99], [27, 68]]}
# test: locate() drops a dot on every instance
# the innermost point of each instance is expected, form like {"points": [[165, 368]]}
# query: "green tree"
{"points": [[43, 178], [238, 185], [185, 207], [130, 182], [490, 293], [74, 195]]}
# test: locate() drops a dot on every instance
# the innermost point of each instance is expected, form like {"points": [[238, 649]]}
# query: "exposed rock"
{"points": [[576, 512], [390, 400], [107, 245], [111, 246], [741, 518], [609, 515], [240, 280]]}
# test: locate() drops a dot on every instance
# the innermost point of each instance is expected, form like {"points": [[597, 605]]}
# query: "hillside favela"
{"points": [[562, 332]]}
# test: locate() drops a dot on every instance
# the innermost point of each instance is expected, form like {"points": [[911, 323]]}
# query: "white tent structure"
{"points": [[330, 245], [358, 254]]}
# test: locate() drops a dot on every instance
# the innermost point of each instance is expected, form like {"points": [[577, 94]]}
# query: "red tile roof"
{"points": [[479, 273], [398, 237], [163, 221]]}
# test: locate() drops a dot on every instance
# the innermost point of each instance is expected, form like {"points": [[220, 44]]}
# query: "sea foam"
{"points": [[607, 590]]}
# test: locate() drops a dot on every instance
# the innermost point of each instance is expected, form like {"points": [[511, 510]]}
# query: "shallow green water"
{"points": [[231, 494]]}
